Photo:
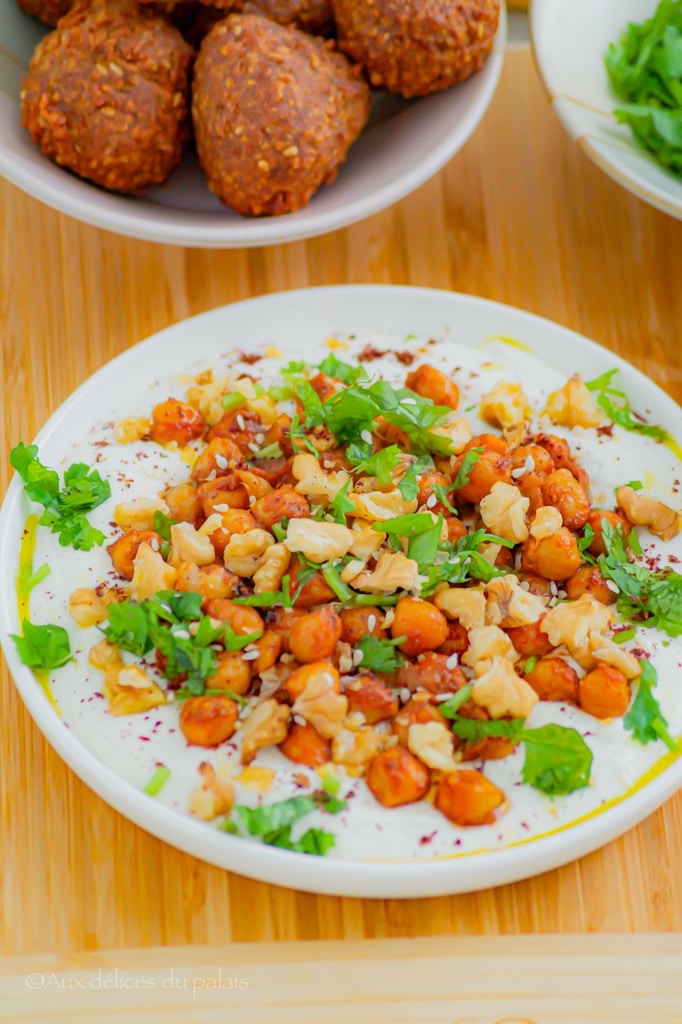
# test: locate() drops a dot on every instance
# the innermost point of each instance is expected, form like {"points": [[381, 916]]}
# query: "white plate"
{"points": [[403, 146], [301, 320], [570, 40]]}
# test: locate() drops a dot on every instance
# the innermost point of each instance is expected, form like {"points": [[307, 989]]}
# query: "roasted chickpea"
{"points": [[218, 457], [236, 520], [557, 448], [427, 481], [467, 797], [208, 721], [123, 551], [604, 692], [277, 472], [371, 697], [279, 434], [595, 520], [300, 677], [589, 580], [529, 640], [530, 485], [543, 463], [494, 748], [415, 712], [304, 745], [563, 491], [556, 557], [211, 581], [432, 674], [232, 673], [183, 503], [315, 590], [315, 635], [269, 649], [175, 421], [553, 679], [221, 493], [280, 622], [324, 386], [431, 383], [396, 777], [537, 585], [493, 466], [280, 504], [424, 626], [456, 529], [241, 426], [357, 623], [240, 618], [457, 641]]}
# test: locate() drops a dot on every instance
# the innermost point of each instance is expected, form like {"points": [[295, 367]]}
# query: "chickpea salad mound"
{"points": [[410, 599]]}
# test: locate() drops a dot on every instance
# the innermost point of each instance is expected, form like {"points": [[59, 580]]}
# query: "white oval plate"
{"points": [[404, 145], [300, 320], [570, 40]]}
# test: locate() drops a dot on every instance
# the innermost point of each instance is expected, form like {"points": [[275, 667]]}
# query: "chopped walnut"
{"points": [[505, 406], [150, 574], [130, 691], [366, 541], [321, 705], [104, 654], [268, 577], [574, 405], [313, 482], [356, 747], [605, 650], [464, 604], [139, 513], [501, 692], [207, 399], [133, 428], [87, 608], [509, 605], [353, 569], [433, 744], [643, 510], [546, 522], [264, 727], [487, 642], [457, 431], [504, 512], [393, 572], [573, 622], [188, 545], [244, 554], [319, 542], [379, 506], [213, 796]]}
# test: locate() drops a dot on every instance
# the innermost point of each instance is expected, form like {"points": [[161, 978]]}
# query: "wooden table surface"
{"points": [[519, 216]]}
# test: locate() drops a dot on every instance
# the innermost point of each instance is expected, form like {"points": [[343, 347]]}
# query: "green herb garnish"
{"points": [[43, 647], [464, 473], [157, 781], [616, 405], [645, 720], [558, 760], [272, 823], [380, 655]]}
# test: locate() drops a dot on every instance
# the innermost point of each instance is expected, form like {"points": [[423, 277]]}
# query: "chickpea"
{"points": [[494, 748], [490, 443], [324, 386], [415, 712], [241, 426], [529, 641], [537, 585], [371, 697], [279, 434], [467, 797], [175, 421], [123, 551], [556, 557], [543, 463], [390, 434], [530, 485], [240, 618], [426, 485], [431, 383], [424, 626], [269, 649], [563, 491], [494, 465], [280, 622], [280, 504], [589, 580], [315, 591], [396, 777], [217, 458], [359, 622], [457, 641], [553, 679], [556, 447], [595, 519], [300, 677], [580, 475], [604, 692], [277, 472], [211, 581], [232, 673], [183, 503], [208, 721], [315, 635], [224, 490], [456, 529], [432, 674], [304, 745], [237, 520]]}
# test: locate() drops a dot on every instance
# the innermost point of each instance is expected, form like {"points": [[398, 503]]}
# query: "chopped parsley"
{"points": [[645, 720], [43, 647], [341, 505], [344, 372], [272, 823], [378, 464], [616, 405], [471, 730], [380, 655], [408, 485]]}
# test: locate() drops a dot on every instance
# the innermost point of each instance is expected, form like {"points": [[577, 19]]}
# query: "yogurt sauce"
{"points": [[133, 746]]}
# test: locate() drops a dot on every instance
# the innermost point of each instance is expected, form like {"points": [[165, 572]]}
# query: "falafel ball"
{"points": [[416, 47], [313, 16], [274, 113], [106, 95], [47, 11]]}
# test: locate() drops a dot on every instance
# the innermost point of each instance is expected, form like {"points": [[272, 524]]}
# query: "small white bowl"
{"points": [[570, 40], [404, 144]]}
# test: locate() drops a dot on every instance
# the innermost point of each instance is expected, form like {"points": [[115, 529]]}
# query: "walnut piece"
{"points": [[213, 796], [501, 692], [244, 552], [433, 744], [573, 622], [150, 574], [264, 726], [574, 405], [268, 577], [313, 482], [130, 691], [87, 608], [505, 406], [486, 643], [509, 605], [546, 522], [463, 604], [379, 506], [139, 513], [366, 540], [393, 572], [133, 428], [504, 512], [643, 510], [104, 654], [319, 542], [606, 651], [356, 747], [457, 431], [188, 545], [321, 705]]}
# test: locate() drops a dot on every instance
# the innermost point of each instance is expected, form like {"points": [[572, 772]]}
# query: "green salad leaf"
{"points": [[558, 761], [272, 823]]}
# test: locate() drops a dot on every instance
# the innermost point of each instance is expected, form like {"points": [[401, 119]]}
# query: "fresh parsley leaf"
{"points": [[616, 405], [471, 730], [344, 372], [423, 547], [408, 485], [380, 655], [43, 647], [645, 720], [558, 761], [272, 823], [341, 505], [379, 464], [636, 485], [468, 462], [128, 628], [162, 525]]}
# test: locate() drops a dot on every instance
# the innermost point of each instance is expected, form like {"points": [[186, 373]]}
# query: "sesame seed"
{"points": [[221, 462], [405, 694], [299, 720], [553, 589], [562, 595], [290, 151], [366, 436], [260, 438], [252, 499], [154, 544], [519, 472], [409, 401], [371, 622], [181, 634], [612, 586], [253, 447], [525, 585], [441, 697], [529, 464], [240, 421], [358, 656], [250, 655], [221, 508], [452, 661]]}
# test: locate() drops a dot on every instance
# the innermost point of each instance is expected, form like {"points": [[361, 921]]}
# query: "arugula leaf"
{"points": [[558, 760], [410, 525], [465, 562], [468, 462], [380, 655], [616, 405], [379, 464], [296, 433], [333, 580], [43, 647], [341, 505], [272, 823], [344, 372], [162, 525], [645, 720], [471, 730], [27, 580], [408, 485], [441, 494], [65, 508], [423, 547]]}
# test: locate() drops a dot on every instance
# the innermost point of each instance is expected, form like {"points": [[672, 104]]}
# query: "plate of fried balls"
{"points": [[240, 123]]}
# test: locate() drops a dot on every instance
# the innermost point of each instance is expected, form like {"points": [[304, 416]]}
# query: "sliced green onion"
{"points": [[232, 401], [157, 781], [26, 583]]}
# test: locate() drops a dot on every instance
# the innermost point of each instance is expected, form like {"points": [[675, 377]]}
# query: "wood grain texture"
{"points": [[483, 980], [519, 216]]}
